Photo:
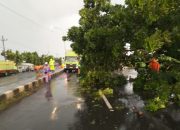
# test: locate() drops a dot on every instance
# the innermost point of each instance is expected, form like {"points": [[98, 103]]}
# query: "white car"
{"points": [[25, 67]]}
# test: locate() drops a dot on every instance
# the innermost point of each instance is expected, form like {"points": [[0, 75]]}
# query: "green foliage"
{"points": [[102, 79], [156, 34], [156, 104], [29, 57], [108, 92], [156, 41], [98, 41], [92, 79], [118, 81], [153, 30]]}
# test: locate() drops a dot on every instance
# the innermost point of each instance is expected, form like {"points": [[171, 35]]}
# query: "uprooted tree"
{"points": [[153, 30]]}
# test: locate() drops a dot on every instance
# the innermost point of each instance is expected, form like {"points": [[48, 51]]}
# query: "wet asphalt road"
{"points": [[13, 81], [51, 108], [58, 106]]}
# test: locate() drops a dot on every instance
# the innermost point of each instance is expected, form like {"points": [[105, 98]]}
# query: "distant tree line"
{"points": [[29, 57]]}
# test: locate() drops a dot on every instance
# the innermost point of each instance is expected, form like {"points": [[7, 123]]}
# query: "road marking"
{"points": [[78, 106], [54, 114], [54, 110]]}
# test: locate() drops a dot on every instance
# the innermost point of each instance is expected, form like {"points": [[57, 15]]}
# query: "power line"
{"points": [[22, 16]]}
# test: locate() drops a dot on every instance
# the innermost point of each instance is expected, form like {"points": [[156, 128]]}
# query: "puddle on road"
{"points": [[67, 111], [127, 95], [98, 117]]}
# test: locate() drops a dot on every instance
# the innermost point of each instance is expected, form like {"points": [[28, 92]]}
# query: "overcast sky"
{"points": [[38, 25]]}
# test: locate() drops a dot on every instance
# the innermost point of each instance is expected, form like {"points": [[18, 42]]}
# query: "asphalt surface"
{"points": [[51, 108], [13, 81], [58, 106]]}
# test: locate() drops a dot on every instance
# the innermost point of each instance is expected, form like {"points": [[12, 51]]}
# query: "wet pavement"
{"points": [[54, 107], [15, 80], [58, 106], [165, 119]]}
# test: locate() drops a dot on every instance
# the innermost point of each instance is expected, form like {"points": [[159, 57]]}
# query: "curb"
{"points": [[10, 94]]}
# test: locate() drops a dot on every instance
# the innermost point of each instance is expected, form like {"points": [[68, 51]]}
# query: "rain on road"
{"points": [[58, 106], [51, 108]]}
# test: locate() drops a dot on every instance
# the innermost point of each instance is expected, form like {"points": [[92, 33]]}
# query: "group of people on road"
{"points": [[46, 70]]}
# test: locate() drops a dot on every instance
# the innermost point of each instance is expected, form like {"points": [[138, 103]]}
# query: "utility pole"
{"points": [[64, 50], [3, 40]]}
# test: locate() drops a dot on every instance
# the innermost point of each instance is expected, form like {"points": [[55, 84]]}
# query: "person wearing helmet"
{"points": [[47, 72]]}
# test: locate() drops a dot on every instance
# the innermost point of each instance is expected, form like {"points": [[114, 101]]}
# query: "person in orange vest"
{"points": [[154, 65], [38, 70]]}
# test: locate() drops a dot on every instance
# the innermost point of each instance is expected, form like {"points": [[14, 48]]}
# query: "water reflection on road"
{"points": [[127, 95], [98, 117], [48, 93], [67, 110]]}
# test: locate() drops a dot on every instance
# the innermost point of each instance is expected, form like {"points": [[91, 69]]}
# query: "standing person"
{"points": [[154, 65], [47, 74], [38, 70], [52, 65], [46, 69]]}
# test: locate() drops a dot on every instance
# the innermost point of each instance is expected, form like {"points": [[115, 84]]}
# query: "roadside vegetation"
{"points": [[152, 29]]}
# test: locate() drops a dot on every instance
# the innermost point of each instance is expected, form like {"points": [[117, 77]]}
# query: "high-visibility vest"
{"points": [[154, 65], [51, 65]]}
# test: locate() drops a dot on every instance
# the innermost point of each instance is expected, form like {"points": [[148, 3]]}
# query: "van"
{"points": [[24, 67]]}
